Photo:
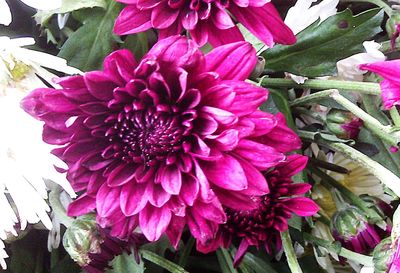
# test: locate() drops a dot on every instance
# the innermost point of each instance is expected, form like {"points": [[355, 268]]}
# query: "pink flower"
{"points": [[166, 141], [390, 86], [206, 21], [262, 226]]}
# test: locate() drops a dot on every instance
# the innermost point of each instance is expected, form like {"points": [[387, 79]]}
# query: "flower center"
{"points": [[147, 136], [252, 224]]}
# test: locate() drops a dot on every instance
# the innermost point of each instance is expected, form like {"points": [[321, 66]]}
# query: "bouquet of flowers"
{"points": [[218, 136]]}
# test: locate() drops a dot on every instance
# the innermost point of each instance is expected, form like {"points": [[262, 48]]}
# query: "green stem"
{"points": [[370, 107], [313, 97], [370, 122], [333, 247], [54, 257], [186, 252], [378, 3], [162, 262], [338, 199], [324, 219], [329, 182], [380, 172], [290, 254], [39, 262], [58, 208], [361, 87], [327, 165], [394, 114], [373, 110], [305, 111]]}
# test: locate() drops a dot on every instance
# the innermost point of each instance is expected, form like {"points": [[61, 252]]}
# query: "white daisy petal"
{"points": [[43, 4], [5, 13], [301, 15], [26, 161]]}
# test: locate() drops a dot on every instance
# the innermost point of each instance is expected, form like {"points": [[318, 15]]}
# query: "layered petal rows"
{"points": [[172, 140], [206, 21]]}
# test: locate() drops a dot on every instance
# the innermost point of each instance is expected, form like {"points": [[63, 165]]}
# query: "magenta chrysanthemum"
{"points": [[390, 86], [262, 226], [205, 20], [167, 141]]}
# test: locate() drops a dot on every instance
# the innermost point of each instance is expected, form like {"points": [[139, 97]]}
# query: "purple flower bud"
{"points": [[343, 124], [350, 227]]}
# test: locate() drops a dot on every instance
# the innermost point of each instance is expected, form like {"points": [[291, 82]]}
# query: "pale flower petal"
{"points": [[348, 69], [301, 15], [5, 13], [43, 4]]}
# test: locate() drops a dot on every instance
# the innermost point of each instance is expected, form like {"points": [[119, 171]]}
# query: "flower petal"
{"points": [[83, 205], [154, 221], [233, 61], [265, 23], [226, 173], [133, 198], [132, 20], [302, 206]]}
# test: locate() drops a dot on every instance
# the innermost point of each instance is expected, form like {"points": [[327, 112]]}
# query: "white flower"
{"points": [[19, 65], [348, 68], [367, 269], [25, 161], [358, 180], [5, 13], [301, 15], [3, 255], [24, 158]]}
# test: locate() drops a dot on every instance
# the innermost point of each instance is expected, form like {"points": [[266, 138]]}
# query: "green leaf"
{"points": [[137, 44], [126, 264], [282, 104], [162, 262], [249, 37], [28, 253], [91, 43], [225, 261], [384, 156], [65, 265], [257, 264], [67, 6], [320, 46]]}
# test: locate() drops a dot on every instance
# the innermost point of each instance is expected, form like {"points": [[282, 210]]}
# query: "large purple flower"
{"points": [[205, 20], [166, 141]]}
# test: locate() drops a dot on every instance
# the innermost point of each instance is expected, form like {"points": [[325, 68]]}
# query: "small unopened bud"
{"points": [[92, 247], [392, 27], [259, 68], [392, 22], [383, 255], [350, 227], [343, 124], [81, 239]]}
